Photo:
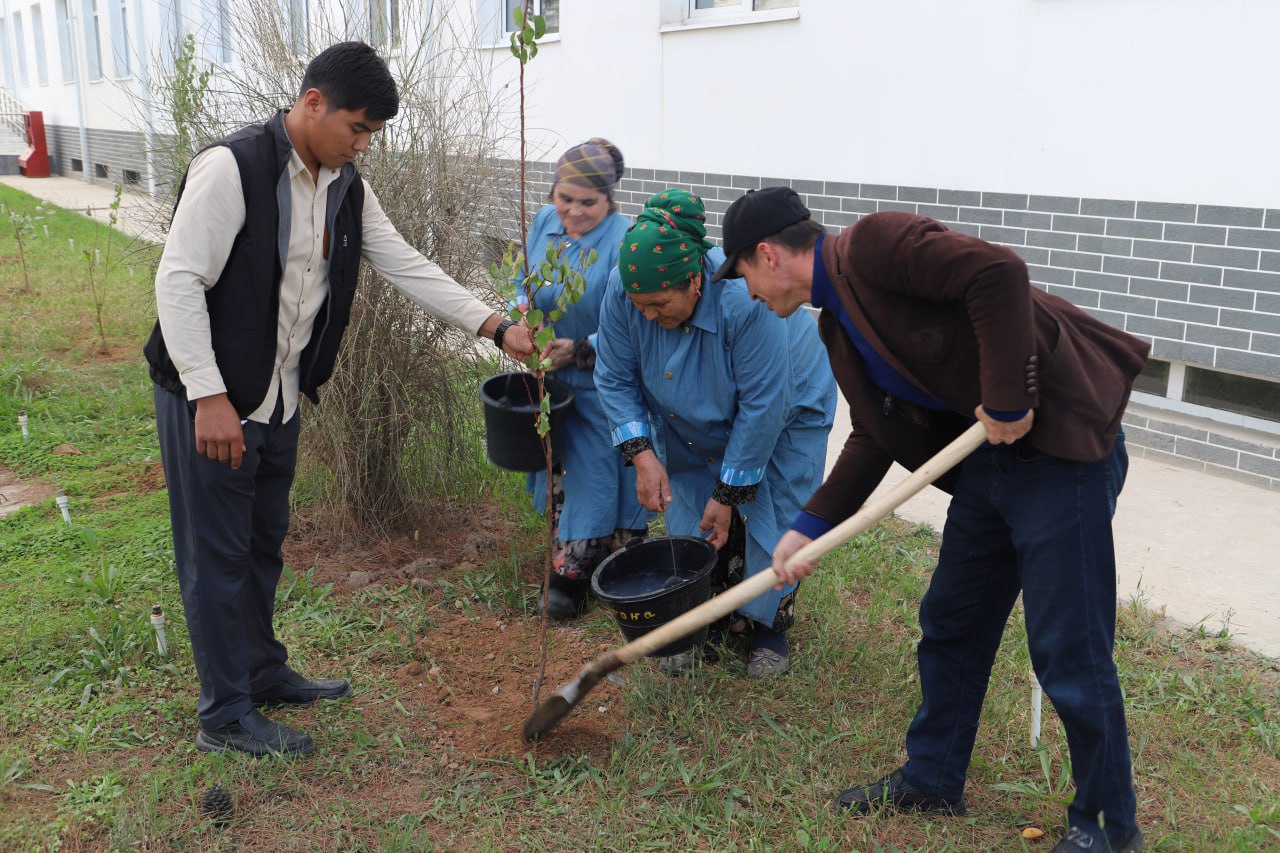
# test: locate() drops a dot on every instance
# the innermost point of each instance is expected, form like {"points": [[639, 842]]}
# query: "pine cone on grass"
{"points": [[216, 803]]}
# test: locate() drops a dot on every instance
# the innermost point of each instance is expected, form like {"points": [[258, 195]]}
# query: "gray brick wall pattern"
{"points": [[112, 151], [1236, 454], [1200, 283], [1169, 273]]}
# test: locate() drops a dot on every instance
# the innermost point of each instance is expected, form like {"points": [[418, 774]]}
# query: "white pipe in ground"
{"points": [[1036, 701], [157, 622]]}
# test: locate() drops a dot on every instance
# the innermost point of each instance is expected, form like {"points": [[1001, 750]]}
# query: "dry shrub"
{"points": [[396, 438]]}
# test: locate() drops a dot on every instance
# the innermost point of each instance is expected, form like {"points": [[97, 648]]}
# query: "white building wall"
{"points": [[1148, 99]]}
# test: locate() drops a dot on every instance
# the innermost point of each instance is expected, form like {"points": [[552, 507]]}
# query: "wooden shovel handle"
{"points": [[758, 584]]}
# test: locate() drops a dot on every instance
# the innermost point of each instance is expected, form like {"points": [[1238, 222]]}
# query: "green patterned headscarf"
{"points": [[664, 248]]}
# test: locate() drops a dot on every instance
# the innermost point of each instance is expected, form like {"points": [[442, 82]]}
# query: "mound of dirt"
{"points": [[474, 677]]}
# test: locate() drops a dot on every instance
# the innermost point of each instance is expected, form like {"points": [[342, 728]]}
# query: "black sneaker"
{"points": [[895, 792], [256, 735], [1079, 839]]}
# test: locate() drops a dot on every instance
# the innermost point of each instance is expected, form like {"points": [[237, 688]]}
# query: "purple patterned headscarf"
{"points": [[595, 164]]}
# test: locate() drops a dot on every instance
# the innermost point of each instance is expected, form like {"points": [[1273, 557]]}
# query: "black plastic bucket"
{"points": [[510, 419], [650, 582]]}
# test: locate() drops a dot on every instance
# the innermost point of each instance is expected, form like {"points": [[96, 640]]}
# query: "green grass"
{"points": [[96, 729]]}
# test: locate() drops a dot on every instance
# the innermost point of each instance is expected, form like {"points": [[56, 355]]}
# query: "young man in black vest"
{"points": [[253, 293]]}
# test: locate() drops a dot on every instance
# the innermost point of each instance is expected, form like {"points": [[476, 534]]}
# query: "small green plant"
{"points": [[1050, 787], [12, 768], [98, 283], [301, 592], [107, 660], [189, 88], [93, 799], [105, 585], [23, 230], [81, 737], [479, 587], [1262, 816]]}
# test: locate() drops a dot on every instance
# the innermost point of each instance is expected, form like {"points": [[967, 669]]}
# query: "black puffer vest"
{"points": [[244, 304]]}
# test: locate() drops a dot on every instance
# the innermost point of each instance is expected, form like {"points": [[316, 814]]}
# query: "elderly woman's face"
{"points": [[668, 308], [580, 208]]}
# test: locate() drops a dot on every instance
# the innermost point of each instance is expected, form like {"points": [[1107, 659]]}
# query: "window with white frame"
{"points": [[65, 41], [6, 67], [684, 14], [222, 30], [384, 24], [698, 8], [548, 9], [20, 39], [92, 39], [120, 37], [37, 38], [495, 17], [173, 29], [1250, 401], [299, 12]]}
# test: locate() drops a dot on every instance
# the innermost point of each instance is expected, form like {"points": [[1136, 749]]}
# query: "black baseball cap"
{"points": [[756, 215]]}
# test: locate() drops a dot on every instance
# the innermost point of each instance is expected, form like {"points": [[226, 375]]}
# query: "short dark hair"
{"points": [[797, 237], [352, 76]]}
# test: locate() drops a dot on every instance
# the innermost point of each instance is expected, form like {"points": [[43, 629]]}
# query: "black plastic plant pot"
{"points": [[510, 419], [651, 582]]}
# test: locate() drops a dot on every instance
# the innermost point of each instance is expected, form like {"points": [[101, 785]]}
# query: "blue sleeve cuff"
{"points": [[740, 476], [810, 525], [635, 429], [591, 339], [1007, 417]]}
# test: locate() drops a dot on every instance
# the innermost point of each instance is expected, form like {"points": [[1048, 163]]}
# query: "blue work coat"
{"points": [[736, 394], [599, 491]]}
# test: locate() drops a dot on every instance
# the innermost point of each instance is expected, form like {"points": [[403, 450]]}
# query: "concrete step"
{"points": [[10, 144]]}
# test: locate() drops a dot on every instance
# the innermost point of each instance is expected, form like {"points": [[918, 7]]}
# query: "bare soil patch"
{"points": [[474, 678], [470, 685], [16, 493], [456, 543]]}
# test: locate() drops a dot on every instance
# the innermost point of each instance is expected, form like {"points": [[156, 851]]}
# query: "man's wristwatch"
{"points": [[500, 331]]}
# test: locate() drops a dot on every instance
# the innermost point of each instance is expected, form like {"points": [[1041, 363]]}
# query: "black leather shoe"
{"points": [[256, 735], [293, 689], [895, 792], [1078, 839]]}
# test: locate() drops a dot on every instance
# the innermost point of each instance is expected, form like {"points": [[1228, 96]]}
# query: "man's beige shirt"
{"points": [[204, 228]]}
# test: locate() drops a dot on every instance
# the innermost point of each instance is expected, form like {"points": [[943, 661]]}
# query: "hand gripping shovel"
{"points": [[554, 709]]}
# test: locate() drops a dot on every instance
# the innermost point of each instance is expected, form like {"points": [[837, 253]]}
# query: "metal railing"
{"points": [[12, 115]]}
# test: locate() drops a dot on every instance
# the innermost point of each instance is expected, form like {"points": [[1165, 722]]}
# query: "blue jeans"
{"points": [[1021, 520]]}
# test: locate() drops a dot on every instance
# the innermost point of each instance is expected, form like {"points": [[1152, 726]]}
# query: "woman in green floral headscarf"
{"points": [[739, 399]]}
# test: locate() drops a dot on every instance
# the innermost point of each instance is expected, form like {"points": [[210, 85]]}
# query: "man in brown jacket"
{"points": [[928, 329]]}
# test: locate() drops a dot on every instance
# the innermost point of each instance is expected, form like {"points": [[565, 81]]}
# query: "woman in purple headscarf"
{"points": [[594, 493]]}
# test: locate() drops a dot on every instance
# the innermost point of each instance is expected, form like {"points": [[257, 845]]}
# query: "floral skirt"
{"points": [[728, 572], [577, 559]]}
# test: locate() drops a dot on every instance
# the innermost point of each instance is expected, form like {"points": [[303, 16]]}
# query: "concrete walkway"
{"points": [[139, 215], [1204, 549]]}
